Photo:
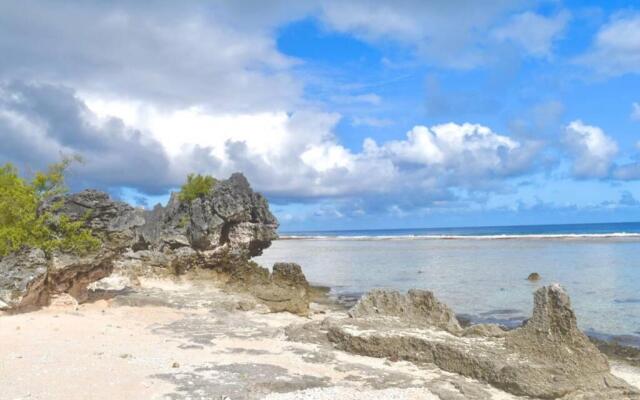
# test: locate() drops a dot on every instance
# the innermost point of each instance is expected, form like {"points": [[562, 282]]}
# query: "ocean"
{"points": [[481, 271]]}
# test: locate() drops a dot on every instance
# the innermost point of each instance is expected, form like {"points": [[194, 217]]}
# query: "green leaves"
{"points": [[20, 223], [196, 186]]}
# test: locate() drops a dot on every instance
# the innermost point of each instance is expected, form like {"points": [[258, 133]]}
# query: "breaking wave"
{"points": [[558, 236]]}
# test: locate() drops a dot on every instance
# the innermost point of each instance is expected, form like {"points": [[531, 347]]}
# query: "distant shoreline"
{"points": [[614, 230]]}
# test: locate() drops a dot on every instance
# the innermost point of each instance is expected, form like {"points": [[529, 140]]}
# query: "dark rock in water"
{"points": [[533, 277], [627, 301], [219, 231], [616, 350], [546, 358]]}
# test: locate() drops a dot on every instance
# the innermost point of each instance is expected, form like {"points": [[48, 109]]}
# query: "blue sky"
{"points": [[346, 115]]}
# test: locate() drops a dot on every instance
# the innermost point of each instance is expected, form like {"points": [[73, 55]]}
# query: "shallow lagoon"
{"points": [[484, 279]]}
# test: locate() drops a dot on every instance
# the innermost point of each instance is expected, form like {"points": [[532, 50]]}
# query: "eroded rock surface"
{"points": [[549, 357], [219, 231], [30, 278], [22, 279], [419, 307], [284, 289]]}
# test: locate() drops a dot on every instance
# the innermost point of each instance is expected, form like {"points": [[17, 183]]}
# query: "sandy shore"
{"points": [[190, 341]]}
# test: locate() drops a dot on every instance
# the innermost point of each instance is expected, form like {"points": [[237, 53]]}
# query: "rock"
{"points": [[484, 330], [220, 231], [31, 278], [114, 282], [285, 289], [114, 222], [533, 277], [63, 301], [419, 307], [547, 358], [231, 215], [23, 279]]}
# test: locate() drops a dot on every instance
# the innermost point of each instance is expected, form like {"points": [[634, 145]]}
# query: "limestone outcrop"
{"points": [[548, 357], [284, 289], [419, 307], [30, 277], [23, 279], [219, 231]]}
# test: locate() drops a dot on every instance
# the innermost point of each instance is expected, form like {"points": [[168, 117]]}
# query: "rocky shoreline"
{"points": [[186, 270]]}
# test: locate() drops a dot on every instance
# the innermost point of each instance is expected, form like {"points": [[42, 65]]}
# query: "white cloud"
{"points": [[635, 111], [533, 32], [299, 155], [425, 25], [177, 56], [616, 49], [462, 152], [151, 93], [592, 150]]}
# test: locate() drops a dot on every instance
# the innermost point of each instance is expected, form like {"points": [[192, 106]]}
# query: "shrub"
{"points": [[20, 223], [196, 186]]}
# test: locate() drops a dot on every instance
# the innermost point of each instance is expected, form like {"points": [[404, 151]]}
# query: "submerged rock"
{"points": [[533, 277], [546, 358]]}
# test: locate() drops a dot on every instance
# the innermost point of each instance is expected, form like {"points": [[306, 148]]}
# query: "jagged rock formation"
{"points": [[232, 216], [285, 289], [419, 307], [30, 278], [546, 358], [221, 231]]}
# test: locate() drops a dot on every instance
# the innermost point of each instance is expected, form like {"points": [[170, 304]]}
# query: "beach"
{"points": [[190, 340]]}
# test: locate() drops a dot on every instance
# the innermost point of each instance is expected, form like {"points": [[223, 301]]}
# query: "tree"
{"points": [[196, 186], [21, 225]]}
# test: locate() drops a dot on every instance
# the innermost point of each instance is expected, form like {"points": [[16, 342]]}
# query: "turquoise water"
{"points": [[483, 277]]}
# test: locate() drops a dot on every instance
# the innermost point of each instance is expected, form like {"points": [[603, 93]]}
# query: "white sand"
{"points": [[103, 351]]}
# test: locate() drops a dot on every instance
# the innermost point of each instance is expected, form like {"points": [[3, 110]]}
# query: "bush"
{"points": [[196, 186], [22, 226]]}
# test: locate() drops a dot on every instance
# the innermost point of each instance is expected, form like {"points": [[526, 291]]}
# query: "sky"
{"points": [[344, 114]]}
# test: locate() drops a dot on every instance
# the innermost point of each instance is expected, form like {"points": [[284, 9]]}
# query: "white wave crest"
{"points": [[544, 236]]}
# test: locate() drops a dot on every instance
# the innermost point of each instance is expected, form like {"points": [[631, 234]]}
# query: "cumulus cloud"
{"points": [[459, 154], [39, 123], [533, 32], [196, 53], [592, 150], [423, 25], [616, 48], [289, 156]]}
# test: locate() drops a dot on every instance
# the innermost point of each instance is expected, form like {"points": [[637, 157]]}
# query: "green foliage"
{"points": [[22, 225], [196, 186]]}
